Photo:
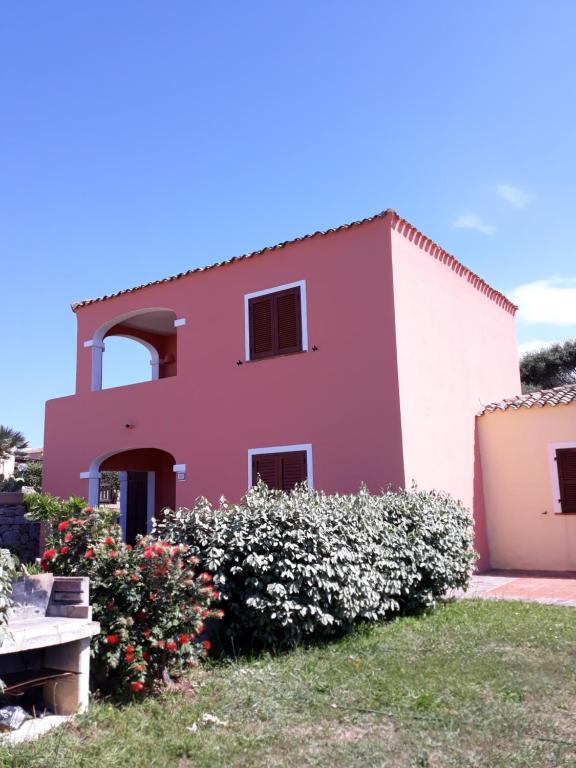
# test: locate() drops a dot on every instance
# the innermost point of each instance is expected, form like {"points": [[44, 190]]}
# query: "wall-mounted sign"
{"points": [[180, 475]]}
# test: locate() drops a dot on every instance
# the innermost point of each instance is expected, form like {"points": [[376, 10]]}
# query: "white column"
{"points": [[155, 363], [97, 352], [93, 487]]}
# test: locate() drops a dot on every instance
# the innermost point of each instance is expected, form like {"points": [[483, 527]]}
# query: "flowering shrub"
{"points": [[294, 565], [149, 599]]}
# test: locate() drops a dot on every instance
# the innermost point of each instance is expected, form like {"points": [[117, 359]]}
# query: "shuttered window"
{"points": [[275, 324], [566, 462], [281, 471]]}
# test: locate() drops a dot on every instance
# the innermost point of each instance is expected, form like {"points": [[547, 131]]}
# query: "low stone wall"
{"points": [[17, 534]]}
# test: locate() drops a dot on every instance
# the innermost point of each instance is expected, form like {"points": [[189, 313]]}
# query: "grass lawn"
{"points": [[470, 684]]}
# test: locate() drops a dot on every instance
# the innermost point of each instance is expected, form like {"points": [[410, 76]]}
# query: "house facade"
{"points": [[528, 450], [359, 354]]}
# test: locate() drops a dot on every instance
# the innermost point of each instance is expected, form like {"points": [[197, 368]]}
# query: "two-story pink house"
{"points": [[360, 354]]}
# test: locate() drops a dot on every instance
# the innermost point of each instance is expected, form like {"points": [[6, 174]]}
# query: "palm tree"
{"points": [[11, 441]]}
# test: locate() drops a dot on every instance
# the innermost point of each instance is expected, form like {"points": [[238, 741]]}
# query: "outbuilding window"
{"points": [[566, 468]]}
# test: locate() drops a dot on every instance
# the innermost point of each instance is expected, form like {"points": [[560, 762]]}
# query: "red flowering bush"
{"points": [[149, 600]]}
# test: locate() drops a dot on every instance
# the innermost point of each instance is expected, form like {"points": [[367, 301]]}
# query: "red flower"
{"points": [[147, 632], [112, 639], [205, 577], [89, 553], [49, 554], [134, 577], [160, 644], [207, 644], [129, 649], [63, 525], [68, 537], [129, 658], [112, 554], [183, 639], [152, 596], [136, 686], [108, 540], [88, 510], [145, 655], [147, 553], [64, 550], [171, 646], [140, 667]]}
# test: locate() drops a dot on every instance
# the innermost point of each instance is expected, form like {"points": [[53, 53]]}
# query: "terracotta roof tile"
{"points": [[398, 223], [557, 396]]}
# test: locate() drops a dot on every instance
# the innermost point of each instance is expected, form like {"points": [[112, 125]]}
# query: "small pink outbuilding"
{"points": [[359, 354], [528, 449]]}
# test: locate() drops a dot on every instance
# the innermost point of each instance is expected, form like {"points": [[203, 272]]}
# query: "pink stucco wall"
{"points": [[457, 350], [409, 348], [343, 399]]}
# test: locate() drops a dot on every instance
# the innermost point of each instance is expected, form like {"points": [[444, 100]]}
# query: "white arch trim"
{"points": [[96, 344], [93, 477]]}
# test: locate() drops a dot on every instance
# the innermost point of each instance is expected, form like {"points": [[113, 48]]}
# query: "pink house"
{"points": [[359, 354]]}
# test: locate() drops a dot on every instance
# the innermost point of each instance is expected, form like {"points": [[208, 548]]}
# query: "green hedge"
{"points": [[290, 566]]}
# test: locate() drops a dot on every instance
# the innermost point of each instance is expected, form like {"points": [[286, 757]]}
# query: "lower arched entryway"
{"points": [[147, 486]]}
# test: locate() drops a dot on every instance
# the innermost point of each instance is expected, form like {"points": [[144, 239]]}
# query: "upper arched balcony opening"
{"points": [[154, 330]]}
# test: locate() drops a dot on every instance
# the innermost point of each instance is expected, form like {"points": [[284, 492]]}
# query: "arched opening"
{"points": [[147, 485], [127, 361], [153, 330]]}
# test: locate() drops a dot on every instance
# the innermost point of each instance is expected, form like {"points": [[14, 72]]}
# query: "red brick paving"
{"points": [[556, 589]]}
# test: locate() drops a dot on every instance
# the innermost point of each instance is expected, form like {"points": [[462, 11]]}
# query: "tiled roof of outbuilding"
{"points": [[557, 396], [398, 223]]}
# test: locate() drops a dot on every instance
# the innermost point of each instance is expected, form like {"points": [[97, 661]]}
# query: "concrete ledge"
{"points": [[29, 634]]}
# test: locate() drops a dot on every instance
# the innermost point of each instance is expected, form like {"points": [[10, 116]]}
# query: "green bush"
{"points": [[7, 574], [32, 475], [150, 600], [290, 566]]}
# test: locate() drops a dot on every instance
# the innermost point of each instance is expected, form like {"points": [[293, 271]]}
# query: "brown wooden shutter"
{"points": [[265, 465], [275, 324], [288, 321], [280, 471], [261, 327], [293, 469], [566, 461]]}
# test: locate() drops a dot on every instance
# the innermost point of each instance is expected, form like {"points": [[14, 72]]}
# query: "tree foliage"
{"points": [[552, 366], [11, 441]]}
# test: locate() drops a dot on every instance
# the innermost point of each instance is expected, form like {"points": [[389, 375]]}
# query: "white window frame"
{"points": [[284, 449], [552, 448], [303, 312]]}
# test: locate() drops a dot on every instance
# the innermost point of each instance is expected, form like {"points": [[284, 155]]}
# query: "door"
{"points": [[136, 505]]}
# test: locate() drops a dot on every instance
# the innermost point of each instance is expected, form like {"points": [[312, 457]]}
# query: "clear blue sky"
{"points": [[139, 139]]}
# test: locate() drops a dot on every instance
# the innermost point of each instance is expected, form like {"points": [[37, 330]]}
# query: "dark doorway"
{"points": [[136, 505]]}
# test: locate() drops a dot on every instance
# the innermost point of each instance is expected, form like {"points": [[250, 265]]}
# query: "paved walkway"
{"points": [[554, 588]]}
